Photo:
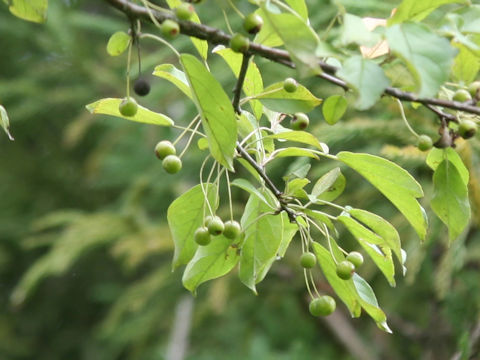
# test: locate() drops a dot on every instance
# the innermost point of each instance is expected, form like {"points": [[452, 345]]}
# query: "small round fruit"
{"points": [[474, 89], [355, 258], [141, 87], [322, 306], [172, 164], [202, 236], [290, 85], [308, 260], [232, 229], [462, 95], [164, 148], [239, 43], [253, 23], [467, 129], [215, 226], [184, 11], [425, 143], [299, 121], [345, 269], [170, 29], [128, 107]]}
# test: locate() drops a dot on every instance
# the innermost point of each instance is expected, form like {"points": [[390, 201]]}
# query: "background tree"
{"points": [[112, 292]]}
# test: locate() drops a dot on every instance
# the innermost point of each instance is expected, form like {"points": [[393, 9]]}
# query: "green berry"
{"points": [[164, 148], [290, 85], [322, 306], [462, 95], [172, 164], [216, 226], [345, 269], [202, 236], [299, 121], [232, 229], [308, 260], [425, 143], [170, 29], [467, 129], [474, 89], [184, 11], [355, 258], [141, 87], [252, 23], [128, 107], [239, 43]]}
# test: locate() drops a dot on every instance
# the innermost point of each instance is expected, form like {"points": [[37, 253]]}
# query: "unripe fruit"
{"points": [[232, 229], [299, 121], [467, 129], [424, 142], [172, 164], [322, 306], [252, 23], [184, 11], [462, 95], [474, 89], [215, 226], [202, 236], [141, 87], [164, 148], [290, 85], [345, 269], [170, 29], [308, 260], [355, 258], [128, 107], [239, 43]]}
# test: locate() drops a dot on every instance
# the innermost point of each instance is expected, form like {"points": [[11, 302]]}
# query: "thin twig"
{"points": [[237, 91]]}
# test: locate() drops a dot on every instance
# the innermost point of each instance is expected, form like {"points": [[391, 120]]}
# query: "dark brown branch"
{"points": [[278, 194], [237, 91], [217, 37]]}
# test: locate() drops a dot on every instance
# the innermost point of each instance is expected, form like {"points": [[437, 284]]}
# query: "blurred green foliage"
{"points": [[84, 247]]}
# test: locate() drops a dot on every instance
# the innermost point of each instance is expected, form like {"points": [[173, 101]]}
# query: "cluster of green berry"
{"points": [[214, 226], [166, 152], [324, 305], [252, 24]]}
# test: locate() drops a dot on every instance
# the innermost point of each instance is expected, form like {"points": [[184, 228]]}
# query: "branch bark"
{"points": [[217, 37]]}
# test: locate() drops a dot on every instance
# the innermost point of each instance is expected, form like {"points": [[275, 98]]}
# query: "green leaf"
{"points": [[175, 76], [374, 245], [414, 10], [266, 237], [450, 198], [210, 262], [248, 186], [299, 7], [213, 104], [109, 106], [185, 215], [329, 186], [366, 78], [5, 122], [382, 228], [294, 151], [427, 55], [30, 10], [466, 65], [277, 99], [200, 45], [299, 39], [436, 156], [295, 188], [333, 108], [393, 182], [355, 31], [301, 137], [253, 83], [118, 43], [470, 19]]}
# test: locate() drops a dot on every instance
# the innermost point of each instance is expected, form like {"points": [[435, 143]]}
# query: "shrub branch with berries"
{"points": [[247, 130]]}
